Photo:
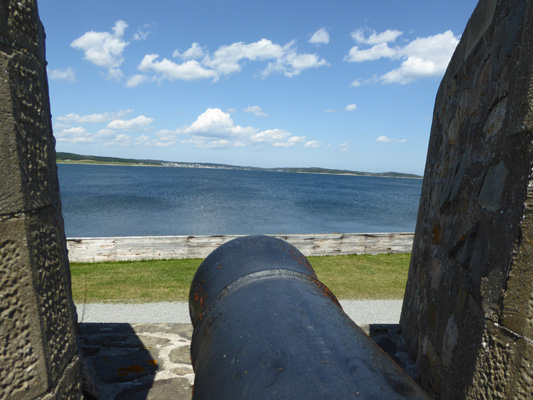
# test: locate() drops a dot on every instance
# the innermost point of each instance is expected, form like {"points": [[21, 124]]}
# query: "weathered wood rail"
{"points": [[172, 247]]}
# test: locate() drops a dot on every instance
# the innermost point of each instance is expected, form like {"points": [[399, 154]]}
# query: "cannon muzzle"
{"points": [[266, 328]]}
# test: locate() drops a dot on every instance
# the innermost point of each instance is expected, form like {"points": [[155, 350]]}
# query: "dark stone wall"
{"points": [[38, 350], [468, 309]]}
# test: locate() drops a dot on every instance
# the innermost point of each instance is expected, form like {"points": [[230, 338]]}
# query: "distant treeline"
{"points": [[77, 158], [65, 157], [346, 172]]}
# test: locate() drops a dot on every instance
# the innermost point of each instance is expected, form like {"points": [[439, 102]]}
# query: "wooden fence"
{"points": [[171, 247]]}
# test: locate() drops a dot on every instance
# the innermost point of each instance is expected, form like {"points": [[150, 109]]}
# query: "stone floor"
{"points": [[152, 361]]}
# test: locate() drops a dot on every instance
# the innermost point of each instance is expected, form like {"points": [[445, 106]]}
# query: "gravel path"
{"points": [[361, 311]]}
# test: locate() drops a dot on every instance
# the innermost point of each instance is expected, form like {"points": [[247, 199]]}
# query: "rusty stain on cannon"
{"points": [[266, 328]]}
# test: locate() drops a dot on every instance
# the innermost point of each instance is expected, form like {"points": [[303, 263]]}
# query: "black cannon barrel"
{"points": [[266, 328]]}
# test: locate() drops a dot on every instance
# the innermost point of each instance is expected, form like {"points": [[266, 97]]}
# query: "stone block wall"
{"points": [[468, 309], [38, 348]]}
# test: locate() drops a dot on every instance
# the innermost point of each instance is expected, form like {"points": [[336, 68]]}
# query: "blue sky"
{"points": [[345, 84]]}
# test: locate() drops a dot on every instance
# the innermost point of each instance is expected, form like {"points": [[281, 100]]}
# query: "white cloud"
{"points": [[214, 122], [385, 139], [344, 148], [255, 110], [74, 135], [228, 59], [195, 52], [115, 74], [216, 129], [388, 36], [350, 107], [313, 144], [356, 83], [331, 111], [293, 63], [143, 140], [139, 123], [425, 57], [60, 125], [374, 53], [290, 142], [136, 80], [320, 37], [166, 69], [94, 118], [142, 33], [112, 134], [66, 74], [422, 57], [271, 135], [119, 140], [104, 49]]}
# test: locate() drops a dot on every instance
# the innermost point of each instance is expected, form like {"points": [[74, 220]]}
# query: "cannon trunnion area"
{"points": [[266, 328]]}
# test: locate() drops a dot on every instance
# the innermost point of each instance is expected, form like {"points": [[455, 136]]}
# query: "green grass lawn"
{"points": [[349, 277]]}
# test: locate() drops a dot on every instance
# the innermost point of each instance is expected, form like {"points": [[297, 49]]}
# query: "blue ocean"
{"points": [[101, 200]]}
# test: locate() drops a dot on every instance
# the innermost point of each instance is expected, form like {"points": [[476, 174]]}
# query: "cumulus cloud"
{"points": [[195, 52], [293, 63], [136, 124], [385, 139], [320, 37], [255, 110], [142, 33], [313, 144], [114, 132], [350, 107], [376, 52], [76, 134], [226, 59], [215, 128], [104, 49], [422, 57], [94, 118], [136, 80], [390, 35], [166, 69], [120, 140], [215, 123], [197, 63], [66, 74]]}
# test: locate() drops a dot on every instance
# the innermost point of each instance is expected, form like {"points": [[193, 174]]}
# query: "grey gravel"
{"points": [[360, 311]]}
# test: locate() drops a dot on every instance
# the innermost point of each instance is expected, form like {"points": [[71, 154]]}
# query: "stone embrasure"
{"points": [[468, 309], [39, 354]]}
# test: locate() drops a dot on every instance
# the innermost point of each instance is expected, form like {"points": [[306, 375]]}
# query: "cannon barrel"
{"points": [[266, 328]]}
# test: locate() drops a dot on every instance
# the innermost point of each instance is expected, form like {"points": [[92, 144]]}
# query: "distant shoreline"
{"points": [[70, 158]]}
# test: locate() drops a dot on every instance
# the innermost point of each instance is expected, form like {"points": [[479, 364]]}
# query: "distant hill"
{"points": [[82, 159]]}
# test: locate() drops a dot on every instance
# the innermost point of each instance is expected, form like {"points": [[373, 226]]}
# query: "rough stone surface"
{"points": [[138, 361], [38, 353], [468, 309], [126, 375]]}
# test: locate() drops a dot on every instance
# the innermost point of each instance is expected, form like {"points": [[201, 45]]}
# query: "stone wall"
{"points": [[176, 247], [468, 309], [38, 353]]}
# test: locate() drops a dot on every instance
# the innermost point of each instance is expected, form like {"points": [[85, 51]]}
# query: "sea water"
{"points": [[102, 200]]}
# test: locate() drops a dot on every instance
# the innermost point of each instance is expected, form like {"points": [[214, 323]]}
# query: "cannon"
{"points": [[266, 328]]}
